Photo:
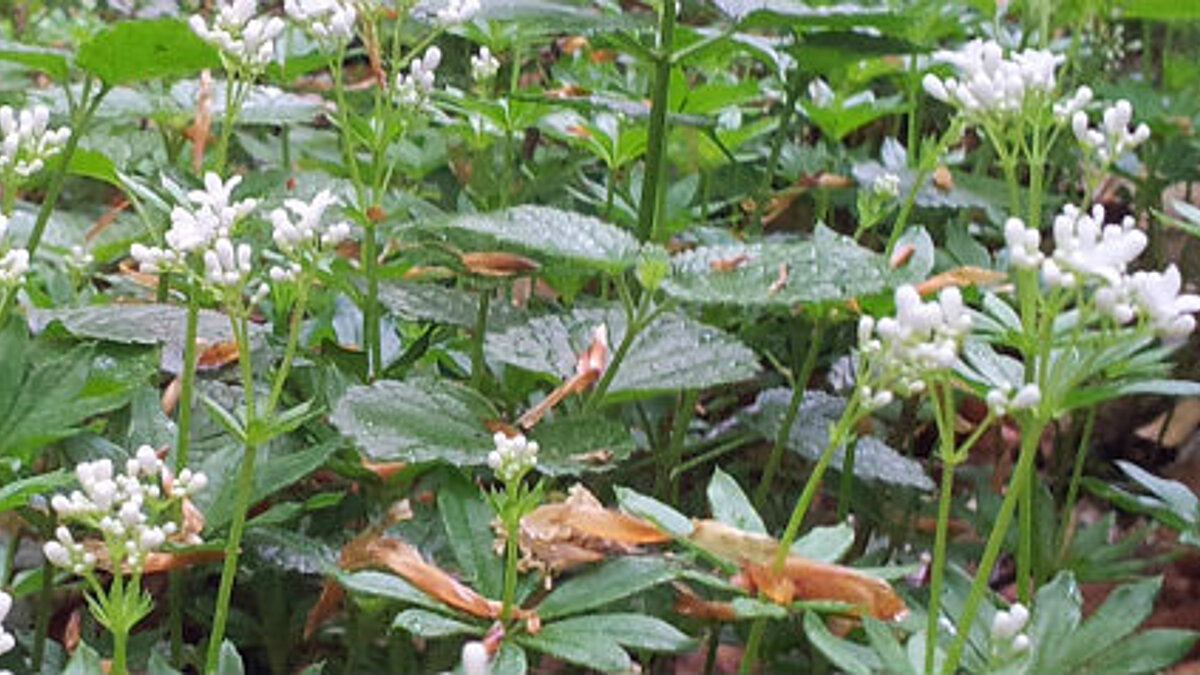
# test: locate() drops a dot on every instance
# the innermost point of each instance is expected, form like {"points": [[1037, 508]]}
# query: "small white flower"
{"points": [[13, 266], [1069, 108], [246, 41], [475, 659], [887, 184], [1113, 138], [484, 66], [414, 87], [1023, 244], [1008, 624], [513, 457], [331, 21], [820, 93], [1157, 295], [1083, 244], [226, 264], [1021, 643], [27, 141], [306, 229], [988, 82]]}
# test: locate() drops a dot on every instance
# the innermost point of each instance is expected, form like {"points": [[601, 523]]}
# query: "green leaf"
{"points": [[130, 51], [426, 624], [159, 665], [1057, 609], [85, 661], [1150, 651], [417, 420], [825, 543], [1160, 10], [873, 459], [753, 608], [1175, 495], [828, 267], [1161, 388], [271, 475], [674, 352], [777, 14], [666, 518], [571, 445], [54, 62], [547, 233], [636, 631], [1123, 611], [844, 654], [433, 302], [584, 649], [229, 662], [388, 586], [731, 506], [885, 644], [468, 522], [510, 660], [17, 493], [141, 325], [610, 581]]}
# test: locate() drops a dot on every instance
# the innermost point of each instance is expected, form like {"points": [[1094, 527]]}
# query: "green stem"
{"points": [[370, 311], [120, 640], [782, 131], [245, 483], [478, 364], [511, 553], [799, 384], [228, 119], [937, 567], [1068, 513], [846, 481], [1030, 437], [44, 606], [293, 343], [753, 644], [187, 378], [668, 482], [656, 149]]}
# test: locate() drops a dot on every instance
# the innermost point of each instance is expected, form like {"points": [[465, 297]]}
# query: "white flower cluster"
{"points": [[28, 141], [331, 21], [412, 89], [475, 658], [458, 11], [246, 40], [513, 457], [204, 229], [1086, 249], [1113, 138], [129, 509], [900, 352], [886, 184], [14, 263], [306, 230], [991, 83], [1002, 400], [1007, 627], [7, 641], [484, 65], [1066, 109]]}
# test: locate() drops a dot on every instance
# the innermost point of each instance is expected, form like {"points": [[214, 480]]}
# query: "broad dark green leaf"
{"points": [[571, 445], [548, 233], [666, 518], [130, 51], [874, 460], [828, 267], [433, 302], [510, 660], [730, 505], [850, 657], [426, 624], [92, 164], [674, 352], [636, 631], [468, 518], [1151, 651], [610, 581], [54, 62], [585, 649], [417, 420]]}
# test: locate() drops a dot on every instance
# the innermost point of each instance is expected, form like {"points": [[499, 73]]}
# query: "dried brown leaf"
{"points": [[960, 276], [497, 263]]}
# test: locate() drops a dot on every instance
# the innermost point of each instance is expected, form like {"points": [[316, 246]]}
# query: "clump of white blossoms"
{"points": [[245, 40], [458, 11], [330, 21], [414, 87], [484, 65], [989, 82], [27, 141], [301, 234], [14, 263], [1007, 627], [7, 641], [198, 229], [132, 512], [1002, 400], [887, 184], [513, 457], [1113, 138], [898, 353], [1089, 252]]}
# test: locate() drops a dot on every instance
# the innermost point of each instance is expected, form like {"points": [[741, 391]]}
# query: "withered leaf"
{"points": [[960, 276], [497, 263]]}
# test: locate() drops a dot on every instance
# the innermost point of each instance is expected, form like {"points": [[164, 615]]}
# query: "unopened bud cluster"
{"points": [[14, 263], [1002, 401], [414, 87], [1007, 629], [1113, 137], [131, 511], [513, 457], [1089, 251], [27, 141], [243, 39], [484, 66], [330, 21], [899, 353], [458, 11], [990, 83]]}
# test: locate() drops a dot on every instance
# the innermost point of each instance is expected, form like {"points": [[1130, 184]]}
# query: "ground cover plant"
{"points": [[505, 336]]}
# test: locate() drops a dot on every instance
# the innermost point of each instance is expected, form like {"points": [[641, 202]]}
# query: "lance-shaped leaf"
{"points": [[873, 459], [596, 641], [546, 233], [417, 420], [571, 445], [799, 578], [674, 352], [828, 267]]}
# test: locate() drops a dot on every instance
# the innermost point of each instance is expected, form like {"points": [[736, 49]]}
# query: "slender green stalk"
{"points": [[233, 105], [714, 643], [511, 553], [799, 383], [1067, 519], [245, 484], [478, 364], [656, 150], [668, 482], [120, 640], [44, 606], [937, 567], [782, 131], [1030, 435], [753, 645], [846, 481], [369, 260], [293, 342], [187, 378]]}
